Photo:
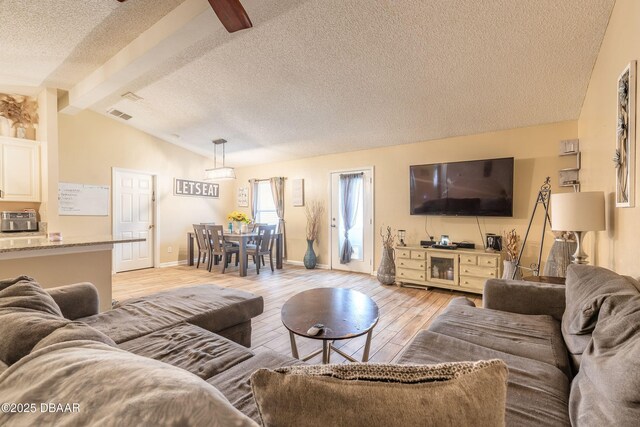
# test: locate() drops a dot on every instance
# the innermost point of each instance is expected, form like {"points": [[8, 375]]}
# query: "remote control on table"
{"points": [[315, 329]]}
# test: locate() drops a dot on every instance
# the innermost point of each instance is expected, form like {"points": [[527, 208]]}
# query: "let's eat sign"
{"points": [[185, 187]]}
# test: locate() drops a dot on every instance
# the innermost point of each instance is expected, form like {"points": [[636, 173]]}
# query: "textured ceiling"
{"points": [[324, 76], [55, 43]]}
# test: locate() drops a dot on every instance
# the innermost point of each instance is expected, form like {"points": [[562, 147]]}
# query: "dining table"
{"points": [[242, 239]]}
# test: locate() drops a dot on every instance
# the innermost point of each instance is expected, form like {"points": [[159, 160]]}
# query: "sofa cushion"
{"points": [[412, 394], [533, 337], [25, 292], [537, 392], [235, 383], [211, 307], [587, 287], [74, 331], [21, 329], [111, 387], [606, 390], [240, 333], [76, 300], [191, 348]]}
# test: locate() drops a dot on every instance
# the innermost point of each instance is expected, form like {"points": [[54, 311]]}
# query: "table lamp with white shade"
{"points": [[578, 213]]}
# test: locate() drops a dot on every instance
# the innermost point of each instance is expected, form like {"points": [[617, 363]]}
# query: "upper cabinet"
{"points": [[19, 170]]}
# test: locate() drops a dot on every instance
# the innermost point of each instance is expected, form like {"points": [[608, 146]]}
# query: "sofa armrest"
{"points": [[524, 297], [77, 300]]}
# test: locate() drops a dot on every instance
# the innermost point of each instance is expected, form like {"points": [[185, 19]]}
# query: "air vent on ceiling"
{"points": [[131, 96], [119, 114]]}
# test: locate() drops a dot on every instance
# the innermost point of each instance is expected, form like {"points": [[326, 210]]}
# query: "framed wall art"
{"points": [[243, 197], [625, 155], [298, 192]]}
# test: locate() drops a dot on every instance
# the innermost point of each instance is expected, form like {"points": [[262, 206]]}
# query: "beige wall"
{"points": [[91, 144], [615, 248], [535, 150]]}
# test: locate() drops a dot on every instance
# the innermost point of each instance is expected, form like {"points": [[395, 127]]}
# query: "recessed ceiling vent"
{"points": [[119, 114]]}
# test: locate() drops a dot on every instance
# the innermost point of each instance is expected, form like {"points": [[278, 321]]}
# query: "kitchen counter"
{"points": [[42, 243], [72, 260]]}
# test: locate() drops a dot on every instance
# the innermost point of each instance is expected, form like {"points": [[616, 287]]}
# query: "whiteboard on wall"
{"points": [[83, 199]]}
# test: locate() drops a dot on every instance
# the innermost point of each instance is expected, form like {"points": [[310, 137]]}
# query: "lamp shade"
{"points": [[578, 211], [219, 174]]}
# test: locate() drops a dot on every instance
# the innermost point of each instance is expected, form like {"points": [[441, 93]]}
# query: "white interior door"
{"points": [[133, 199], [361, 234]]}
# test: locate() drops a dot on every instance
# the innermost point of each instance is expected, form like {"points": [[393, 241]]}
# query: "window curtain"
{"points": [[349, 190], [277, 191], [253, 186]]}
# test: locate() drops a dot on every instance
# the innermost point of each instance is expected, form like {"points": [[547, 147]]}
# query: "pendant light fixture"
{"points": [[219, 174]]}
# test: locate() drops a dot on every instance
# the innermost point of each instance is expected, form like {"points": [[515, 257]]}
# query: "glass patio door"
{"points": [[360, 234]]}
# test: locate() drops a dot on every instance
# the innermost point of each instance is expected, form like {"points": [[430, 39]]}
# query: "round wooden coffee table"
{"points": [[345, 313]]}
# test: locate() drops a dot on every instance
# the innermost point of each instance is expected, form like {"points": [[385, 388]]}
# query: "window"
{"points": [[266, 211]]}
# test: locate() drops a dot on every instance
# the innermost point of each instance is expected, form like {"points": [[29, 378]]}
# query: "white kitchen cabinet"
{"points": [[19, 170]]}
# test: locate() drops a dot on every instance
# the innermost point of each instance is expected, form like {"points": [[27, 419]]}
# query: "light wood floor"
{"points": [[403, 311]]}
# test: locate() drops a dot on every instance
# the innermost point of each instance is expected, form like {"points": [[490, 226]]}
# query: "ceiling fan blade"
{"points": [[231, 14]]}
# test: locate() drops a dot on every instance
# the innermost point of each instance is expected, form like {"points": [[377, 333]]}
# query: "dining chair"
{"points": [[256, 226], [218, 246], [253, 228], [201, 241], [263, 246]]}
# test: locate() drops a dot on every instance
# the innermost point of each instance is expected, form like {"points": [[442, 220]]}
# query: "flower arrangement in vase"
{"points": [[313, 211], [21, 115], [241, 219]]}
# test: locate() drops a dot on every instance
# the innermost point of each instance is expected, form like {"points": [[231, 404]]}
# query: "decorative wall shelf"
{"points": [[570, 177]]}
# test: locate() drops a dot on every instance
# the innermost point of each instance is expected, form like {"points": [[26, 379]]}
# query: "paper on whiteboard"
{"points": [[83, 199]]}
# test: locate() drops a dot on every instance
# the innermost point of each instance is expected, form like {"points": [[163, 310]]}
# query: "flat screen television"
{"points": [[472, 188]]}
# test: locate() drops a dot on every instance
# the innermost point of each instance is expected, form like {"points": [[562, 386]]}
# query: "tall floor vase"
{"points": [[310, 260], [387, 267]]}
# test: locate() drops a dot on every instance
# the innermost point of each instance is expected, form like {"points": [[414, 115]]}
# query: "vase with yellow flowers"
{"points": [[240, 221]]}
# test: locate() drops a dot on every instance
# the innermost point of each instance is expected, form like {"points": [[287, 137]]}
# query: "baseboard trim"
{"points": [[172, 263], [301, 264]]}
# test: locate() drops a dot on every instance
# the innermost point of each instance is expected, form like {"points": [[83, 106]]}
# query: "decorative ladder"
{"points": [[544, 198]]}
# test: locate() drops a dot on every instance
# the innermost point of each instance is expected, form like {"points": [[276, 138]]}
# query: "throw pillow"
{"points": [[21, 329], [25, 292], [459, 393], [587, 287], [101, 385], [605, 390]]}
